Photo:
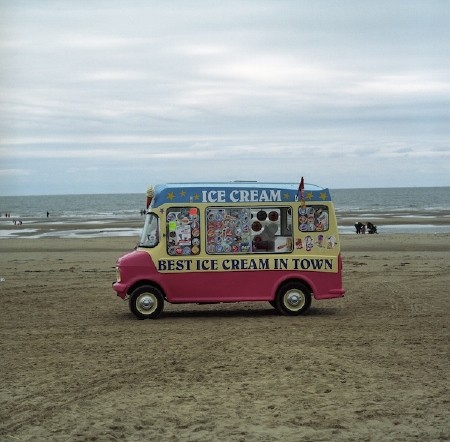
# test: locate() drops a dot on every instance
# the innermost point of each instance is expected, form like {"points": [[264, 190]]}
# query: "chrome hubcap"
{"points": [[293, 299], [146, 302]]}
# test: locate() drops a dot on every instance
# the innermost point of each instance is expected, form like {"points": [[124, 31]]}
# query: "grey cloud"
{"points": [[336, 88]]}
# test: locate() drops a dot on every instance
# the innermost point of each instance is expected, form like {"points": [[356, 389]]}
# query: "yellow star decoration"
{"points": [[309, 196], [323, 196], [183, 193], [170, 196], [196, 197], [286, 196]]}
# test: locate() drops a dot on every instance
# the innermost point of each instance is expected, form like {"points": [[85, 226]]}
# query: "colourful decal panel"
{"points": [[249, 229], [183, 231], [313, 218], [179, 265]]}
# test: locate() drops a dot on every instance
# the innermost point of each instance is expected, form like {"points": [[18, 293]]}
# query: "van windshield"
{"points": [[150, 232]]}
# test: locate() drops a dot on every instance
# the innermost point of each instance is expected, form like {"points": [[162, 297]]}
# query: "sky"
{"points": [[113, 96]]}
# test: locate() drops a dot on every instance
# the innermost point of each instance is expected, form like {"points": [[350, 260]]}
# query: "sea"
{"points": [[404, 210]]}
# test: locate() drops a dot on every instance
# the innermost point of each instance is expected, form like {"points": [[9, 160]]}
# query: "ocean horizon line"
{"points": [[143, 192]]}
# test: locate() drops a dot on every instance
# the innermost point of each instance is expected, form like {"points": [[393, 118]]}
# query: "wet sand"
{"points": [[97, 227], [76, 365]]}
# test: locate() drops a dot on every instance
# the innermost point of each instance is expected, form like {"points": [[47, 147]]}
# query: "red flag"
{"points": [[301, 192], [301, 186]]}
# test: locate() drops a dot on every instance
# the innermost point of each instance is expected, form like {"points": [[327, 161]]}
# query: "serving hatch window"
{"points": [[183, 231], [239, 230]]}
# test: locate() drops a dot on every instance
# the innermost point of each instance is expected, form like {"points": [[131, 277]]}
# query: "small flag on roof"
{"points": [[301, 192]]}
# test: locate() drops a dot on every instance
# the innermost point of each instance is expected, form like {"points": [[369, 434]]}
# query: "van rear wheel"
{"points": [[146, 302], [293, 298]]}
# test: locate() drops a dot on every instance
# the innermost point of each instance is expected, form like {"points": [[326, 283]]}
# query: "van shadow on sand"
{"points": [[237, 312]]}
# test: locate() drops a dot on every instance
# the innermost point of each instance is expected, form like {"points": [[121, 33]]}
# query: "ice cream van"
{"points": [[233, 242]]}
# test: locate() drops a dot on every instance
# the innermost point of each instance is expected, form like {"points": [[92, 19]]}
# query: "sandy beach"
{"points": [[76, 365]]}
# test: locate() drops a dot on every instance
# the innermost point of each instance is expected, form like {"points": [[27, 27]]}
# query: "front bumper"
{"points": [[120, 288]]}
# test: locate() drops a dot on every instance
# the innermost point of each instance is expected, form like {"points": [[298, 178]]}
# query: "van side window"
{"points": [[183, 231], [150, 232], [313, 218], [238, 230]]}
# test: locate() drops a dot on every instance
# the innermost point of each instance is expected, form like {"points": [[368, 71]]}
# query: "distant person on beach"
{"points": [[48, 214], [360, 228], [371, 228]]}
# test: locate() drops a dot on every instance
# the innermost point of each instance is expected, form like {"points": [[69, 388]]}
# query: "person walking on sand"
{"points": [[48, 214]]}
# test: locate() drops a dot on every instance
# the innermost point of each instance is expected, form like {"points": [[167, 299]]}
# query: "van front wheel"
{"points": [[293, 298], [146, 302]]}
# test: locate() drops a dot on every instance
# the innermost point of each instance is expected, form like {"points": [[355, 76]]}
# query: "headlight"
{"points": [[118, 274]]}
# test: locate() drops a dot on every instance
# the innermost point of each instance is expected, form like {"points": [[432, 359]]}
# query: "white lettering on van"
{"points": [[213, 196], [274, 195], [234, 196], [254, 196]]}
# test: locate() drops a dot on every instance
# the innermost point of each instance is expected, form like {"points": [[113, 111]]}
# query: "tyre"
{"points": [[146, 302], [293, 298]]}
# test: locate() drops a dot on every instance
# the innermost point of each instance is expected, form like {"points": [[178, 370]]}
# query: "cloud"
{"points": [[407, 84], [202, 50], [100, 42], [14, 172], [256, 87], [112, 75]]}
